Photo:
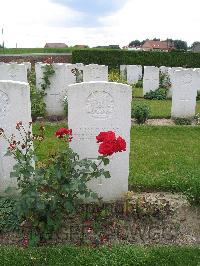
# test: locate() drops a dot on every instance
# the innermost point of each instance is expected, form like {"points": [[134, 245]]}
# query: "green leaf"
{"points": [[105, 160], [107, 174]]}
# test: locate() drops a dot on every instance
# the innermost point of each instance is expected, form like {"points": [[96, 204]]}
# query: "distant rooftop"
{"points": [[55, 45]]}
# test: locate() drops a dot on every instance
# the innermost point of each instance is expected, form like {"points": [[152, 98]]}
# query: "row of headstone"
{"points": [[151, 76], [93, 107], [65, 75], [185, 83]]}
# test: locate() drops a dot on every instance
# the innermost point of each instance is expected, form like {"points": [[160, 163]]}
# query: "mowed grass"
{"points": [[50, 144], [105, 256], [161, 158], [164, 157], [35, 50], [158, 108]]}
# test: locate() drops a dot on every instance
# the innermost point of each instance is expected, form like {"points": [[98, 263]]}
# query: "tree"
{"points": [[135, 43], [180, 45]]}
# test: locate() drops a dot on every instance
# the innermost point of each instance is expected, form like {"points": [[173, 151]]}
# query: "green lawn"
{"points": [[159, 109], [165, 157], [123, 255], [35, 50], [137, 92]]}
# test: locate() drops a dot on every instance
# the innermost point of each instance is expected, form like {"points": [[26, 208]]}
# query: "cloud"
{"points": [[91, 11], [32, 23]]}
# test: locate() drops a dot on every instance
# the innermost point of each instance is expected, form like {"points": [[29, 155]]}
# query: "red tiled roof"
{"points": [[55, 45], [163, 45]]}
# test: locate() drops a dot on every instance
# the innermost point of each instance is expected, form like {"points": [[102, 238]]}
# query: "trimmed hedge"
{"points": [[115, 58], [105, 256]]}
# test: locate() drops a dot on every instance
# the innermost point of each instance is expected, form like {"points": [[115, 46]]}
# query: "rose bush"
{"points": [[52, 189]]}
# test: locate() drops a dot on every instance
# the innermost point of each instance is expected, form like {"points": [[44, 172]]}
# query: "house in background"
{"points": [[151, 45], [196, 47], [55, 45]]}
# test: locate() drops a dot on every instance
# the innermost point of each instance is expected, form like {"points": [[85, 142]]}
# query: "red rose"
{"points": [[107, 148], [105, 136], [110, 144], [62, 132], [121, 144]]}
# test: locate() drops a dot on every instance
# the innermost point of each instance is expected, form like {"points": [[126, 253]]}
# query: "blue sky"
{"points": [[32, 23], [93, 7], [91, 10]]}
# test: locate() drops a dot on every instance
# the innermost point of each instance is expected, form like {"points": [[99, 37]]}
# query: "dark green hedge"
{"points": [[115, 58]]}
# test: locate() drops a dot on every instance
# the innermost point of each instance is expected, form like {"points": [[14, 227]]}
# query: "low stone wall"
{"points": [[34, 58]]}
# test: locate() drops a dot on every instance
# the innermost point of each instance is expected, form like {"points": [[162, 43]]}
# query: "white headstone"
{"points": [[28, 65], [94, 72], [95, 107], [79, 66], [123, 71], [15, 106], [57, 90], [164, 69], [150, 79], [184, 92], [134, 73], [13, 71], [198, 79], [170, 73]]}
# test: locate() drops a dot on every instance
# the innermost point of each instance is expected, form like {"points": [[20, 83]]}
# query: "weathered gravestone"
{"points": [[95, 107], [13, 71], [150, 79], [59, 82], [184, 92], [134, 73], [15, 106], [94, 72]]}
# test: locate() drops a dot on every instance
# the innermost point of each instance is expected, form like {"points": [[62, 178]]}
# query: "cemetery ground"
{"points": [[161, 207], [158, 108], [119, 255], [162, 158]]}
